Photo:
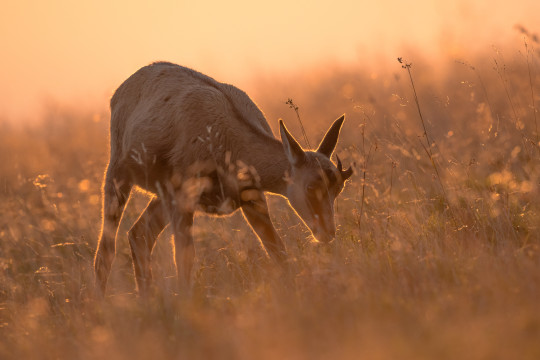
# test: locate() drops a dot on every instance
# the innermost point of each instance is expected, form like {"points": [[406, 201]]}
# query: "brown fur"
{"points": [[198, 144]]}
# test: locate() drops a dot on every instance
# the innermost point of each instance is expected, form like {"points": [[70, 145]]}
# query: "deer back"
{"points": [[168, 112]]}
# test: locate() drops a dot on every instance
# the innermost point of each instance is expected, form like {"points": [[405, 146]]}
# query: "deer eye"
{"points": [[314, 192]]}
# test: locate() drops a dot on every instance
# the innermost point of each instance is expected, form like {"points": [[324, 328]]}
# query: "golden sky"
{"points": [[80, 51]]}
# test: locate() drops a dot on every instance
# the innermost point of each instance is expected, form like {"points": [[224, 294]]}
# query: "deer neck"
{"points": [[268, 158]]}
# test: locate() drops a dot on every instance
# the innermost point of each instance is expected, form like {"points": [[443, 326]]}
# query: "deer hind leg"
{"points": [[116, 191], [142, 239], [256, 213]]}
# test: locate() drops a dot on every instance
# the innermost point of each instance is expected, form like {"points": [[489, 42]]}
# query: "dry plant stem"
{"points": [[408, 68], [532, 95], [504, 80], [482, 85], [363, 196], [365, 166], [483, 89], [390, 197], [428, 150], [293, 106]]}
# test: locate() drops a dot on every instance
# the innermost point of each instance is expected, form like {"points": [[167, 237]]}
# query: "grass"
{"points": [[406, 277]]}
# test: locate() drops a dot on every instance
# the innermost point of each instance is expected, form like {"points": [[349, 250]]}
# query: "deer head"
{"points": [[314, 181]]}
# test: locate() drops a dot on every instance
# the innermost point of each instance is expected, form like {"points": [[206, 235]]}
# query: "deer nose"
{"points": [[324, 232], [325, 238]]}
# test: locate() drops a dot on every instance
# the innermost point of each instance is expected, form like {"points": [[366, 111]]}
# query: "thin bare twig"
{"points": [[532, 94], [293, 106], [428, 148]]}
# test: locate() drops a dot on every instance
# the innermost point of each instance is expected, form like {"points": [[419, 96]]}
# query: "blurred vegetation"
{"points": [[424, 266]]}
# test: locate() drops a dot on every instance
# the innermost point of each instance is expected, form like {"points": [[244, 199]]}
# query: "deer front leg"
{"points": [[184, 250], [256, 213], [142, 238]]}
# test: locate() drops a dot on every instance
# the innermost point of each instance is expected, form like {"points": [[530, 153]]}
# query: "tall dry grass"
{"points": [[415, 272]]}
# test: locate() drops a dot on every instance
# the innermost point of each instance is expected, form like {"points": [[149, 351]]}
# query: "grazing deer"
{"points": [[196, 143]]}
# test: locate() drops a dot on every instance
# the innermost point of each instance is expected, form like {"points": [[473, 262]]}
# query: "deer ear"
{"points": [[328, 143], [346, 173], [293, 150]]}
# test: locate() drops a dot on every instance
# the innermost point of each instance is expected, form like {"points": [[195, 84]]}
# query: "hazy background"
{"points": [[437, 251], [79, 52]]}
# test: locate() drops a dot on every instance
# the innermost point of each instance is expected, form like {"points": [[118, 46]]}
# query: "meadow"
{"points": [[437, 254]]}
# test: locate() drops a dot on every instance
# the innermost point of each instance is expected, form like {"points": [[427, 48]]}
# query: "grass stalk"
{"points": [[504, 80], [533, 104], [394, 164], [293, 106], [482, 85], [366, 159], [428, 148]]}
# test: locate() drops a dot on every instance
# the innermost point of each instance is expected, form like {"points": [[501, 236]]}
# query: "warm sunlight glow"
{"points": [[80, 51], [375, 196]]}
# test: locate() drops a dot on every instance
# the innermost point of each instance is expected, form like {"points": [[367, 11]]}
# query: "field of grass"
{"points": [[437, 254]]}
